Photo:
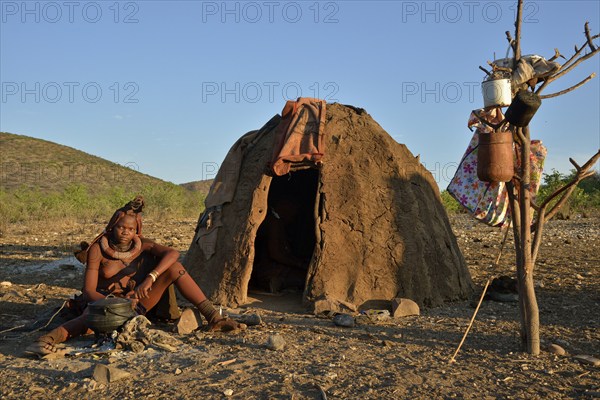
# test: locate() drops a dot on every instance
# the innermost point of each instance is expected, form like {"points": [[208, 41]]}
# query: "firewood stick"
{"points": [[503, 243], [470, 323], [51, 318]]}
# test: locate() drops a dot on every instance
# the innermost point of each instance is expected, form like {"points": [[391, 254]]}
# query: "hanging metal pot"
{"points": [[523, 108], [495, 161], [108, 314]]}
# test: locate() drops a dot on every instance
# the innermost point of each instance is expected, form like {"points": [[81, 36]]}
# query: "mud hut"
{"points": [[370, 222]]}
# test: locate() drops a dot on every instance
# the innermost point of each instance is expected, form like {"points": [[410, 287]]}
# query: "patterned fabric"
{"points": [[485, 201], [537, 155]]}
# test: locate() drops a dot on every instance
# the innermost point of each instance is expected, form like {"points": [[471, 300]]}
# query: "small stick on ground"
{"points": [[582, 375], [51, 318], [470, 323], [12, 329], [42, 327], [225, 363]]}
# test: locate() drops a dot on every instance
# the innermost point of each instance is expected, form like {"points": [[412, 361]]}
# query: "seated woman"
{"points": [[121, 263]]}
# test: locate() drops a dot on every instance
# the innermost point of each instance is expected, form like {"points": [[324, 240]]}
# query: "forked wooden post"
{"points": [[521, 204]]}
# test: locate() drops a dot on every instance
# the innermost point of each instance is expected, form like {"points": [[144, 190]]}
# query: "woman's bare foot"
{"points": [[43, 346]]}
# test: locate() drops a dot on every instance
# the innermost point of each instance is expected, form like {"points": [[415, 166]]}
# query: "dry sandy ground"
{"points": [[391, 359]]}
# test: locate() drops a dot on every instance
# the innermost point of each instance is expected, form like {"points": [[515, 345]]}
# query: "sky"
{"points": [[166, 87]]}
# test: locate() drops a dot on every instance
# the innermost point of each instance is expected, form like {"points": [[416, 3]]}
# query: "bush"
{"points": [[31, 204], [450, 204], [585, 197]]}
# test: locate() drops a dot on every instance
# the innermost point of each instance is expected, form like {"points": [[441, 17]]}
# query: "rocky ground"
{"points": [[386, 359]]}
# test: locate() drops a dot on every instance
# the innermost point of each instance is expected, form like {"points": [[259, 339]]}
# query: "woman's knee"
{"points": [[176, 271]]}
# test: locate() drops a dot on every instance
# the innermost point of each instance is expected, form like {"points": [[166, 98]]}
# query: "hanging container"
{"points": [[523, 108], [495, 157], [106, 315], [496, 93]]}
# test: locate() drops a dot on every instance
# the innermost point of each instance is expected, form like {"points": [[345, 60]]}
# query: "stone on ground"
{"points": [[585, 359], [404, 307], [344, 320], [275, 342], [188, 322], [556, 349], [250, 319], [106, 374]]}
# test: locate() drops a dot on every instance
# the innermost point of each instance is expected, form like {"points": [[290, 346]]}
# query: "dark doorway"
{"points": [[285, 241]]}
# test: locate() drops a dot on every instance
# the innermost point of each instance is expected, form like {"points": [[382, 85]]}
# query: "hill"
{"points": [[199, 186], [43, 180], [36, 163]]}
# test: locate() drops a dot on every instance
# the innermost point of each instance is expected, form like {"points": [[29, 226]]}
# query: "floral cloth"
{"points": [[488, 202]]}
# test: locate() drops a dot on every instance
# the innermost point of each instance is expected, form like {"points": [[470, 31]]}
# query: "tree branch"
{"points": [[511, 42], [556, 55], [488, 73], [517, 132], [574, 60], [566, 191], [537, 238], [583, 82], [588, 36], [578, 51], [518, 25], [534, 205], [564, 71]]}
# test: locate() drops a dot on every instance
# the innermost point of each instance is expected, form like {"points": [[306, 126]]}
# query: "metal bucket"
{"points": [[496, 93], [495, 161]]}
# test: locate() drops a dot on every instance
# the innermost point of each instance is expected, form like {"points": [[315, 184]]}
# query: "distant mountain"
{"points": [[199, 186]]}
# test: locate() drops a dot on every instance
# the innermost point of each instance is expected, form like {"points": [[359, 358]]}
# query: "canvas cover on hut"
{"points": [[373, 224]]}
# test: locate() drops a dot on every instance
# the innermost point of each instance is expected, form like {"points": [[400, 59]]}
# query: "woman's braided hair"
{"points": [[133, 208]]}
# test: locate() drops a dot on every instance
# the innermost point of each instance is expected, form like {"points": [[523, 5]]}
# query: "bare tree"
{"points": [[528, 226]]}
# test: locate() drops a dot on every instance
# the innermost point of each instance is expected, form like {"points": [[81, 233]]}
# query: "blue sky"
{"points": [[166, 87]]}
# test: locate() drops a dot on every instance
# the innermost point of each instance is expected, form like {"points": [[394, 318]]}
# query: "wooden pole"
{"points": [[529, 312], [525, 277]]}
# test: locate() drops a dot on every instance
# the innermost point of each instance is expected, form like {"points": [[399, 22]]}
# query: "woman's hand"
{"points": [[143, 290], [134, 300]]}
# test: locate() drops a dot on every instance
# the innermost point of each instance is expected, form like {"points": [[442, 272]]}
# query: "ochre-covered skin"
{"points": [[124, 269]]}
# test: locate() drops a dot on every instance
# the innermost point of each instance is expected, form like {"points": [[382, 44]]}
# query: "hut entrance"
{"points": [[285, 241]]}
